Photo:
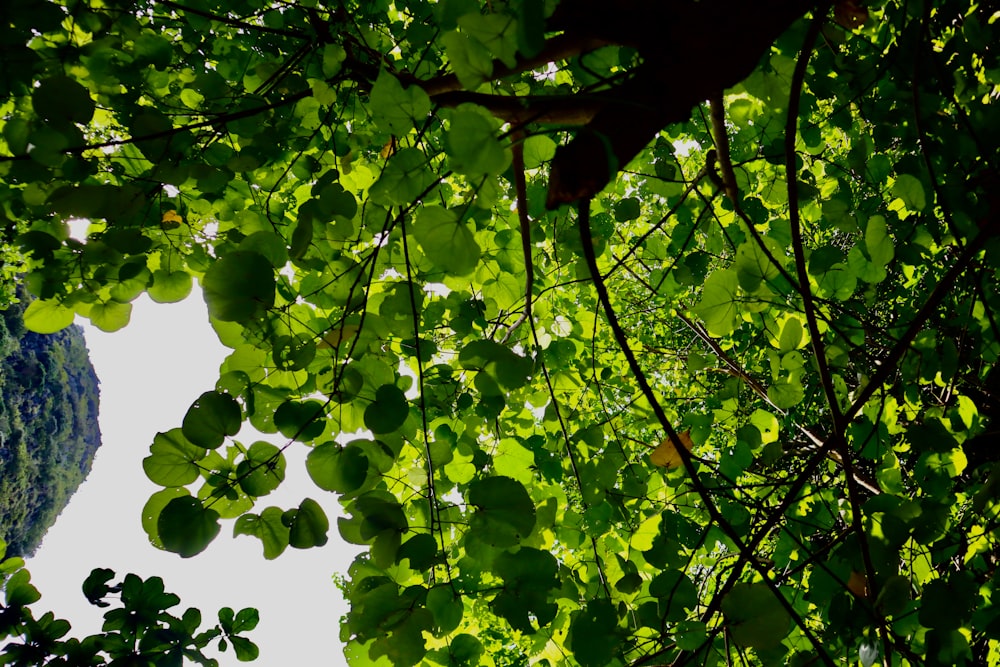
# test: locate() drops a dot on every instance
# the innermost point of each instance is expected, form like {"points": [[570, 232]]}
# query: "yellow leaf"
{"points": [[389, 149], [666, 455], [335, 337], [858, 584], [171, 220]]}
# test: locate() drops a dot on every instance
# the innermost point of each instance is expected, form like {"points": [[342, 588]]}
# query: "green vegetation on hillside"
{"points": [[48, 426]]}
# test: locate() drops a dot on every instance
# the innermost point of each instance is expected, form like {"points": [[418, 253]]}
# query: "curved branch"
{"points": [[687, 460], [521, 194], [236, 23]]}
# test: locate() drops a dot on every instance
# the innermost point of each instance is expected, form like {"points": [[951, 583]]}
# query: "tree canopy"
{"points": [[627, 332], [48, 426]]}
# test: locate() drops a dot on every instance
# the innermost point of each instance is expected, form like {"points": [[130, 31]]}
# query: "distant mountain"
{"points": [[49, 433]]}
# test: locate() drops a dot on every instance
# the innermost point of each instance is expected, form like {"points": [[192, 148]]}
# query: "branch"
{"points": [[575, 109], [725, 39], [164, 134], [521, 193], [236, 23], [746, 551], [717, 112], [561, 47]]}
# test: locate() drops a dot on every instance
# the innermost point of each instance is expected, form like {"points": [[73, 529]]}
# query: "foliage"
{"points": [[48, 425], [138, 630], [370, 196]]}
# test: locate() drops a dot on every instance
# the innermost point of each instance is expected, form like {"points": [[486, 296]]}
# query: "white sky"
{"points": [[150, 372]]}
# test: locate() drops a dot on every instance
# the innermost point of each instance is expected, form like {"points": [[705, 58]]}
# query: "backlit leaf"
{"points": [[262, 470], [61, 99], [212, 418], [186, 527], [170, 286], [446, 240], [309, 527], [473, 145], [47, 316], [755, 617], [717, 306], [389, 410], [666, 454], [336, 468], [504, 513], [239, 286], [173, 460], [397, 109], [911, 191]]}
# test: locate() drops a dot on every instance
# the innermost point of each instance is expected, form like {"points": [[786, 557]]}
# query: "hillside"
{"points": [[49, 431]]}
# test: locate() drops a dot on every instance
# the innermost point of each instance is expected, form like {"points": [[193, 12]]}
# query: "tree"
{"points": [[673, 325]]}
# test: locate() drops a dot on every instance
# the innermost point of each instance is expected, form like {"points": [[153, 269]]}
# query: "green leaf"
{"points": [[302, 237], [406, 175], [268, 245], [473, 146], [211, 418], [60, 99], [173, 460], [466, 650], [262, 470], [95, 586], [446, 607], [529, 574], [239, 286], [595, 637], [246, 620], [786, 392], [878, 242], [154, 50], [531, 27], [755, 617], [154, 507], [446, 241], [422, 553], [538, 149], [505, 514], [753, 267], [334, 56], [47, 316], [470, 60], [388, 411], [911, 191], [246, 650], [398, 110], [18, 590], [626, 209], [497, 32], [186, 527], [791, 335], [302, 421], [947, 604], [170, 286], [268, 527], [309, 527], [717, 306], [110, 316], [336, 468], [677, 594]]}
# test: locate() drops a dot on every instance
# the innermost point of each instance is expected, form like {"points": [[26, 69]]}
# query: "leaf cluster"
{"points": [[344, 184]]}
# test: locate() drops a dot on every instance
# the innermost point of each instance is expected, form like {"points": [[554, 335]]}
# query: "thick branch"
{"points": [[700, 49], [547, 109]]}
